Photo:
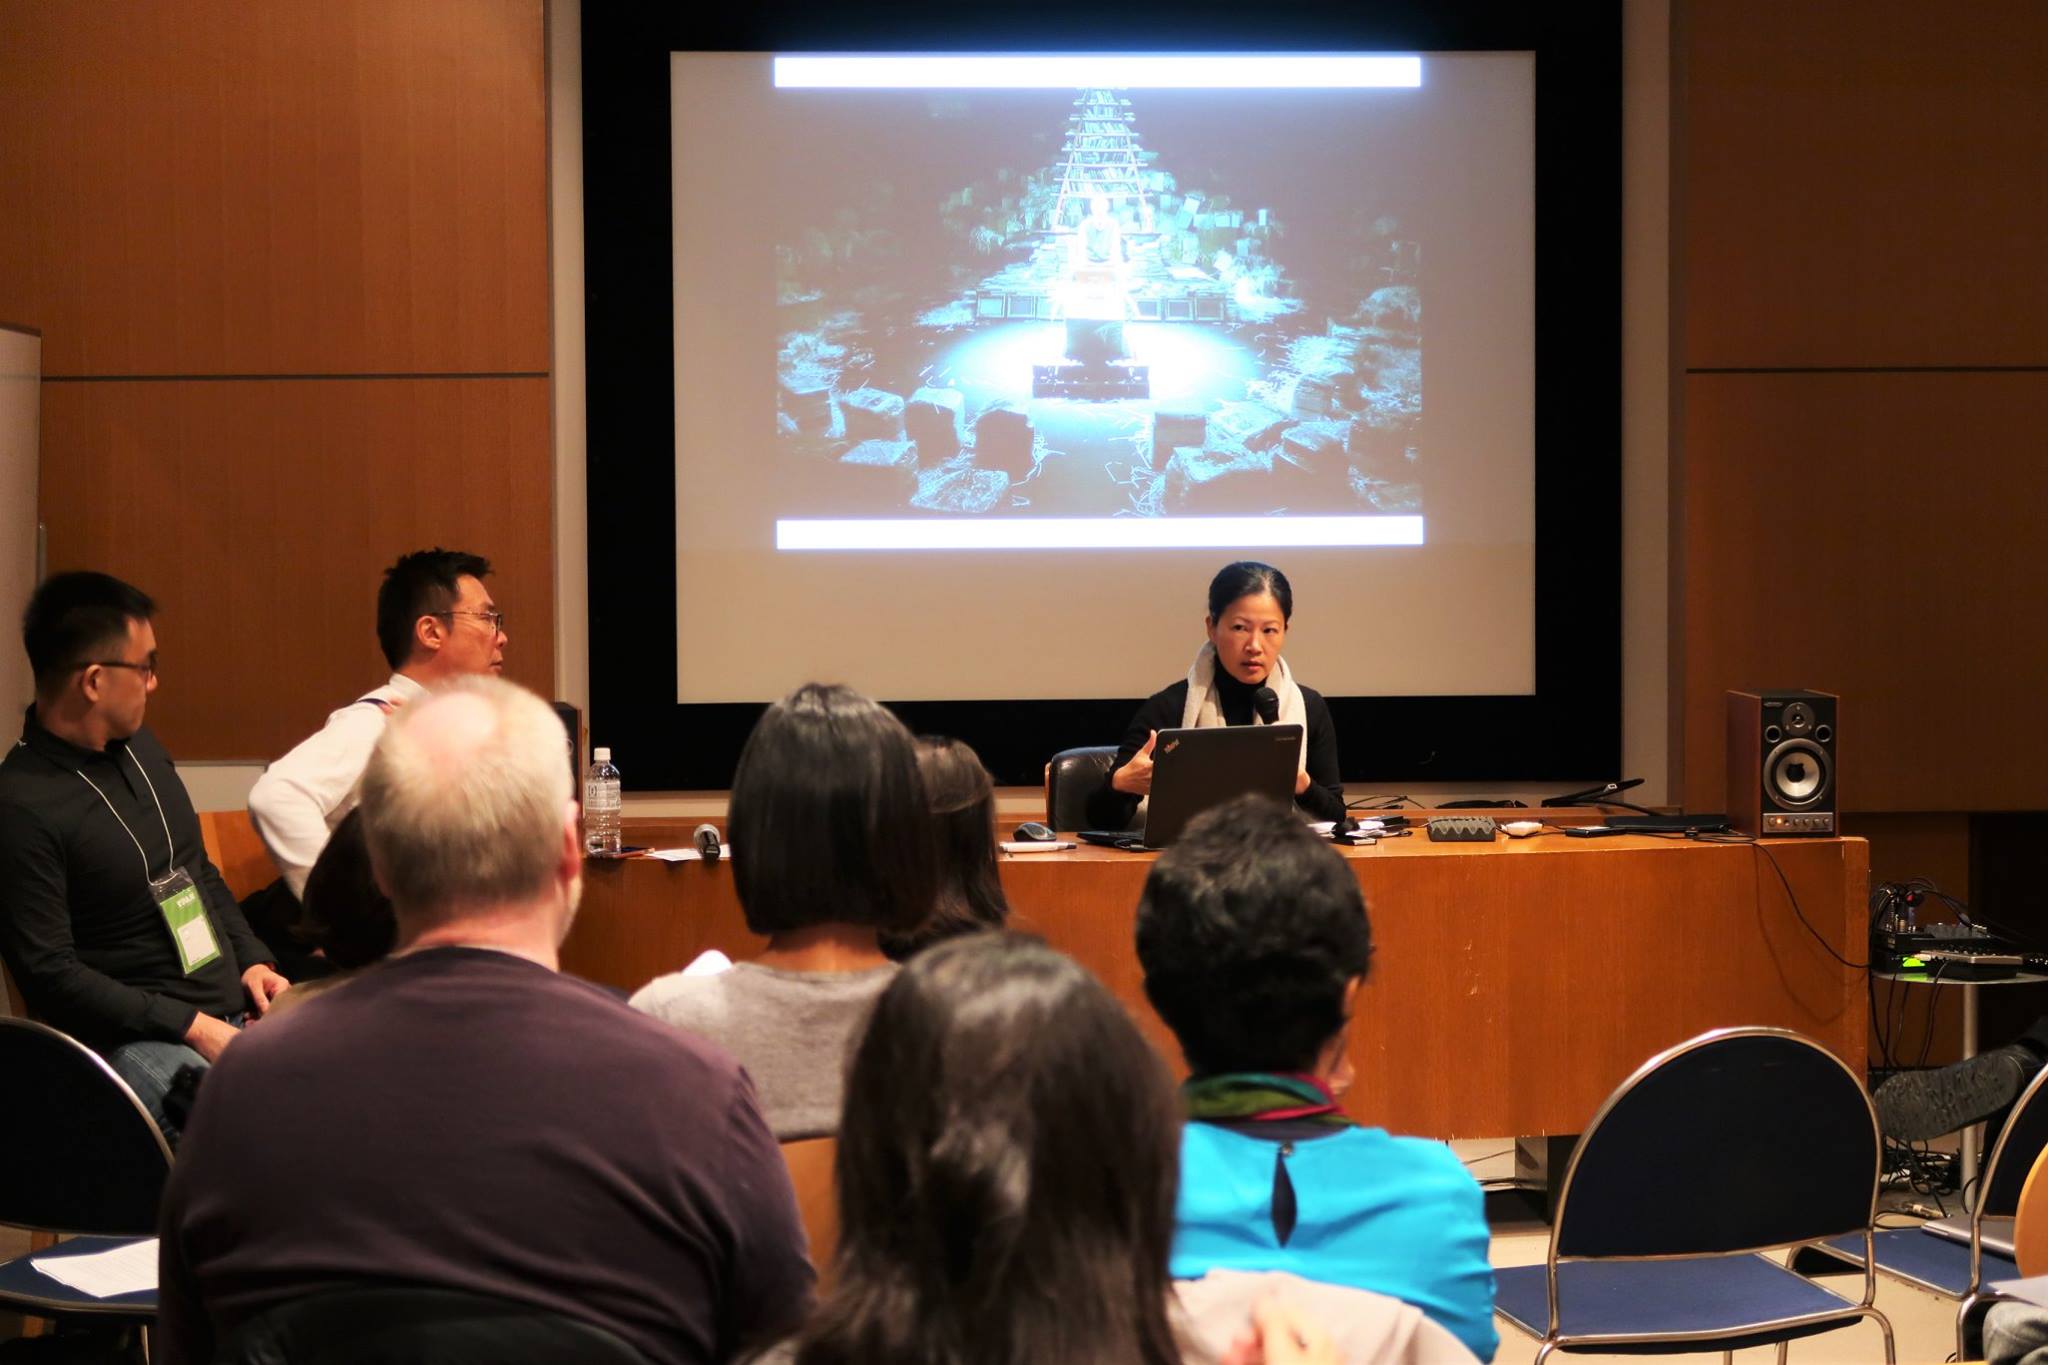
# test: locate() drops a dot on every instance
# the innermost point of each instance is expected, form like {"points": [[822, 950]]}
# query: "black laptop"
{"points": [[1193, 770]]}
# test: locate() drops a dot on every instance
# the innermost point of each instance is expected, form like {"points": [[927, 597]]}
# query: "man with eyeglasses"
{"points": [[435, 622], [114, 922]]}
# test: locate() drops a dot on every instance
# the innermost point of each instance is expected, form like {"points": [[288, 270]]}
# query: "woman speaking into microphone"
{"points": [[1238, 678]]}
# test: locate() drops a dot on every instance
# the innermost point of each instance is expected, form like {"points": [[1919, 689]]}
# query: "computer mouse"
{"points": [[1034, 833]]}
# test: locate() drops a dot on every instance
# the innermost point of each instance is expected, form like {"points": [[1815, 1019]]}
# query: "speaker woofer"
{"points": [[1796, 773]]}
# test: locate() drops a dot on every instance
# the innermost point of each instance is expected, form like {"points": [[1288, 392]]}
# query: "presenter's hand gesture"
{"points": [[1300, 781], [1135, 777]]}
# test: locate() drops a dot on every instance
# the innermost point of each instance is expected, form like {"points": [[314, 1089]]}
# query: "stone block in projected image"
{"points": [[1171, 430], [936, 420], [872, 415], [810, 408], [1221, 479], [1318, 396], [1003, 440], [1251, 425], [875, 476], [1311, 469], [962, 489]]}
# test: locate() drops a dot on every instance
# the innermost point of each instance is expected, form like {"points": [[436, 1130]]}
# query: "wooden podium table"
{"points": [[1513, 984]]}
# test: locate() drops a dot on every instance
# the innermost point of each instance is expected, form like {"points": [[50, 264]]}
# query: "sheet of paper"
{"points": [[104, 1274], [1035, 845], [686, 855]]}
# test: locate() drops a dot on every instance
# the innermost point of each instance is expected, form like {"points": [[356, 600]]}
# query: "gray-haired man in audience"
{"points": [[461, 1116]]}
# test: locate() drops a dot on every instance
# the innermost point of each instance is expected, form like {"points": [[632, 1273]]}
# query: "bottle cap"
{"points": [[600, 755]]}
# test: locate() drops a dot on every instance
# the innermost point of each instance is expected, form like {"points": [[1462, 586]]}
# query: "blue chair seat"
{"points": [[1926, 1260], [1695, 1296], [26, 1289]]}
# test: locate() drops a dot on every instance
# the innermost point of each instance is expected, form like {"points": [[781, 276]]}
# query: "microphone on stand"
{"points": [[708, 843], [1267, 703]]}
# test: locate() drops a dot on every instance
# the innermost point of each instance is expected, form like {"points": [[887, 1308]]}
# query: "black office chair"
{"points": [[1072, 780], [83, 1160], [1738, 1142], [413, 1325]]}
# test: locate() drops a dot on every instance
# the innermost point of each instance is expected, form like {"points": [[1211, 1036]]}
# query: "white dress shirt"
{"points": [[301, 797]]}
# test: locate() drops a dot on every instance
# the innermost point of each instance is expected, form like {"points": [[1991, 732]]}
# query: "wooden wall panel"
{"points": [[1874, 535], [213, 187], [1866, 183], [260, 514]]}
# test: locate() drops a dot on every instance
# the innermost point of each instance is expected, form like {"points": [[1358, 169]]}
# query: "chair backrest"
{"points": [[237, 850], [1738, 1140], [411, 1325], [2020, 1140], [1071, 781], [84, 1156], [2030, 1221], [812, 1166]]}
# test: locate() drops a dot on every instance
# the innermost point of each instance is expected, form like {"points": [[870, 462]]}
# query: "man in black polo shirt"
{"points": [[116, 925]]}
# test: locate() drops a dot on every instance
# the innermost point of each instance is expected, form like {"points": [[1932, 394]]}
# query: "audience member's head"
{"points": [[962, 800], [435, 618], [1007, 1170], [345, 915], [467, 812], [92, 649], [1252, 933], [828, 824]]}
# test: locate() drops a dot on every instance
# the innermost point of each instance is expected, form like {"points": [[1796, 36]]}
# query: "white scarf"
{"points": [[1202, 711]]}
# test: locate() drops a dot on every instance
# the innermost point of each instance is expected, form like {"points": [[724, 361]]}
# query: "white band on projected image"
{"points": [[1097, 533], [1122, 70]]}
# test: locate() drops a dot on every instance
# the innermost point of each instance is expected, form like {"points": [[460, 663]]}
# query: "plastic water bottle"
{"points": [[601, 805]]}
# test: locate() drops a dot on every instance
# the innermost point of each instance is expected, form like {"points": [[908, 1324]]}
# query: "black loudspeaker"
{"points": [[1781, 763]]}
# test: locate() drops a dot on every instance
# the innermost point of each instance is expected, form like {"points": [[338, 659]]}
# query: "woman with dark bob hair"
{"points": [[1006, 1178], [1251, 606], [831, 848], [962, 800]]}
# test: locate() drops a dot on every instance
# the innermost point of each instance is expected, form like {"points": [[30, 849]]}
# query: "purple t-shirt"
{"points": [[465, 1119]]}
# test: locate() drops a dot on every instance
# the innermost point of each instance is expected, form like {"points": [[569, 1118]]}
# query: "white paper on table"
{"points": [[2033, 1289], [104, 1274], [686, 855], [1035, 845]]}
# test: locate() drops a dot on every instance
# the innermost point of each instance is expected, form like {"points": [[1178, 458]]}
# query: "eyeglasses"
{"points": [[147, 668], [496, 618]]}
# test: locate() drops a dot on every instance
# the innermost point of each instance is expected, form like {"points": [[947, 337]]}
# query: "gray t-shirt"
{"points": [[790, 1030]]}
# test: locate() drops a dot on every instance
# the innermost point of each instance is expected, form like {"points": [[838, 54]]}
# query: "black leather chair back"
{"points": [[78, 1152], [1071, 781], [411, 1325]]}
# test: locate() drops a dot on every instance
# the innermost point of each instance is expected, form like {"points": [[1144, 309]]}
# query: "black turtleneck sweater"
{"points": [[78, 926], [1324, 799]]}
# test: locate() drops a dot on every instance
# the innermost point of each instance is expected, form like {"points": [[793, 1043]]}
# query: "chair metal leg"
{"points": [[1783, 1347], [1543, 1351], [1884, 1324]]}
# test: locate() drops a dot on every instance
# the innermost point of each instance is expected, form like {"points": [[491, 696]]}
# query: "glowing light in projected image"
{"points": [[1116, 70], [1189, 362]]}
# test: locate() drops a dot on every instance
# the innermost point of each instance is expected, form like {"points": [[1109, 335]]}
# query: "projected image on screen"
{"points": [[963, 341], [1097, 304]]}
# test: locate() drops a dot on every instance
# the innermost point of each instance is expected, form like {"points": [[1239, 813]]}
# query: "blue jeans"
{"points": [[150, 1066]]}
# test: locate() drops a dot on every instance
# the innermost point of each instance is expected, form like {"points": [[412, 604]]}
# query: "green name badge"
{"points": [[185, 915]]}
